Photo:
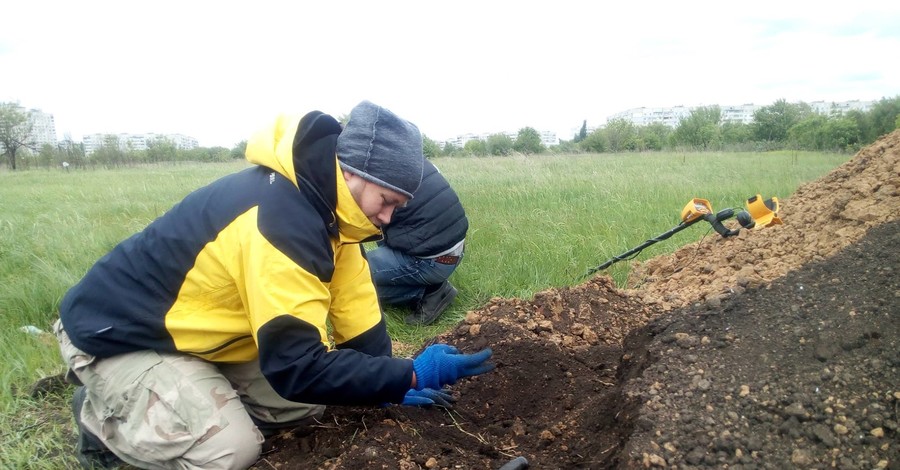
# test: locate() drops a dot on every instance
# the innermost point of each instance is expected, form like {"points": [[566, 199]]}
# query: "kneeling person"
{"points": [[191, 337], [422, 246]]}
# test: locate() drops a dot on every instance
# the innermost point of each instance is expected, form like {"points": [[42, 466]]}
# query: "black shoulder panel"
{"points": [[290, 221]]}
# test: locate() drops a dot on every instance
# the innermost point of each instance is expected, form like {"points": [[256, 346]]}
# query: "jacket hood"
{"points": [[273, 147], [303, 151]]}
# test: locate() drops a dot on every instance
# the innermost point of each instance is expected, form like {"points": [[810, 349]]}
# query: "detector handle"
{"points": [[716, 221]]}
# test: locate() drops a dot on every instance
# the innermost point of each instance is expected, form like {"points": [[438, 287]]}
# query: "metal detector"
{"points": [[759, 214]]}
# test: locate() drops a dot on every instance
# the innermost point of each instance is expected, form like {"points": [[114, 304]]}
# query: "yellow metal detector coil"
{"points": [[695, 209], [764, 212]]}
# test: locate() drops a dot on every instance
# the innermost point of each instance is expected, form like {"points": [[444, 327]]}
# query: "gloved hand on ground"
{"points": [[428, 396], [442, 364]]}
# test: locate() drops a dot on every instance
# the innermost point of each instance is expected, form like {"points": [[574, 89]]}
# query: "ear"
{"points": [[347, 175]]}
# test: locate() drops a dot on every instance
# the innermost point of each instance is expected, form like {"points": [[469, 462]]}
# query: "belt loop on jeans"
{"points": [[447, 259]]}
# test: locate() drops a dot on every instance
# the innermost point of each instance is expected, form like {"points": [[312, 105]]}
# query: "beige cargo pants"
{"points": [[176, 411]]}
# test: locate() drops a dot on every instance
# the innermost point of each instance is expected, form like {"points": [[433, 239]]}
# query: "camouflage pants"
{"points": [[176, 411]]}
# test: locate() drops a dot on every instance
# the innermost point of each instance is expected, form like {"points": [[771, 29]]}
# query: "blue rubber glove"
{"points": [[428, 396], [442, 364]]}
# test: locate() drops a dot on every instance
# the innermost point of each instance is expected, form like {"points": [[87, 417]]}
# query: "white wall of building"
{"points": [[548, 138], [43, 130], [136, 141], [730, 113]]}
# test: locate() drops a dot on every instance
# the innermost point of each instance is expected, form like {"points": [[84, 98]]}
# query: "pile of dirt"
{"points": [[776, 348], [820, 218], [800, 373]]}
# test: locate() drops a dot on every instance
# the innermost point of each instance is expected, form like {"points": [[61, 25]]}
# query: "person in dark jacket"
{"points": [[422, 246], [249, 305]]}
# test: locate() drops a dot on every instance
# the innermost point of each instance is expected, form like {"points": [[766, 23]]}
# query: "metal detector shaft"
{"points": [[714, 219], [647, 243]]}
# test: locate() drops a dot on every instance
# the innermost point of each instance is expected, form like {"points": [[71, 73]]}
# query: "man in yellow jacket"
{"points": [[211, 324]]}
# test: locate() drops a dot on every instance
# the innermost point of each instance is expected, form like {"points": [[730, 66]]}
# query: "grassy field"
{"points": [[536, 223]]}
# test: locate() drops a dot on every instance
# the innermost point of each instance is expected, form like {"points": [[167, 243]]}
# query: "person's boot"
{"points": [[433, 304], [89, 450]]}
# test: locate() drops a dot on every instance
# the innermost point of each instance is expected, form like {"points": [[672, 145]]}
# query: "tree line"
{"points": [[112, 154], [781, 125], [20, 151]]}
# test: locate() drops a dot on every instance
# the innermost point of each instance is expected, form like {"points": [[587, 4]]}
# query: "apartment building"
{"points": [[737, 114], [548, 138], [43, 128], [673, 115], [831, 107], [126, 141], [646, 116]]}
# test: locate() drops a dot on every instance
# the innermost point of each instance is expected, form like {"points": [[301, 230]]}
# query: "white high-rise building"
{"points": [[736, 114], [830, 107], [673, 115], [136, 141], [548, 138], [646, 116], [43, 129]]}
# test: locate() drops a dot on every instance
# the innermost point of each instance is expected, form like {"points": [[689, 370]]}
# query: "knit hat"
{"points": [[382, 148]]}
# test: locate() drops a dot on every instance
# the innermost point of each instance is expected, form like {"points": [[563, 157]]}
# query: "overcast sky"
{"points": [[219, 70]]}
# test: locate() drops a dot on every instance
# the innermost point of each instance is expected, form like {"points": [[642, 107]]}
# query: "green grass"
{"points": [[535, 223]]}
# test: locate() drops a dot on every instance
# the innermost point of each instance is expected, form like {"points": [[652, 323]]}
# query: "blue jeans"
{"points": [[401, 279]]}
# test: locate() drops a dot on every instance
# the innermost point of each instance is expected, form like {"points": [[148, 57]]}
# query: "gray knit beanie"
{"points": [[382, 148]]}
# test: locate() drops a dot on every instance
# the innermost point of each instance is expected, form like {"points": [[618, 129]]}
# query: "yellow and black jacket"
{"points": [[254, 265]]}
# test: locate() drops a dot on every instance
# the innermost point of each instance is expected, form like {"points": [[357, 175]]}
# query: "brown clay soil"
{"points": [[776, 348]]}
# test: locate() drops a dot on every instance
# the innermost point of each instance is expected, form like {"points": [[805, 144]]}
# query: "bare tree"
{"points": [[15, 131]]}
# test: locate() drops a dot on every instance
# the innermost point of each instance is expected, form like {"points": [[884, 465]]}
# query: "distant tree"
{"points": [[842, 134], [450, 149], [47, 156], [109, 153], [498, 144], [74, 154], [771, 123], [204, 154], [621, 134], [430, 148], [595, 142], [582, 134], [882, 118], [528, 141], [700, 129], [238, 151], [220, 154], [863, 121], [15, 131], [475, 147], [735, 132], [566, 147], [808, 133], [653, 136], [161, 150]]}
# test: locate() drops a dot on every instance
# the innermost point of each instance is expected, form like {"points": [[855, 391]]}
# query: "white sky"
{"points": [[219, 70]]}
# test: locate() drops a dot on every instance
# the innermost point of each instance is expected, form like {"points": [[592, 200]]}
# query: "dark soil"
{"points": [[777, 348]]}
